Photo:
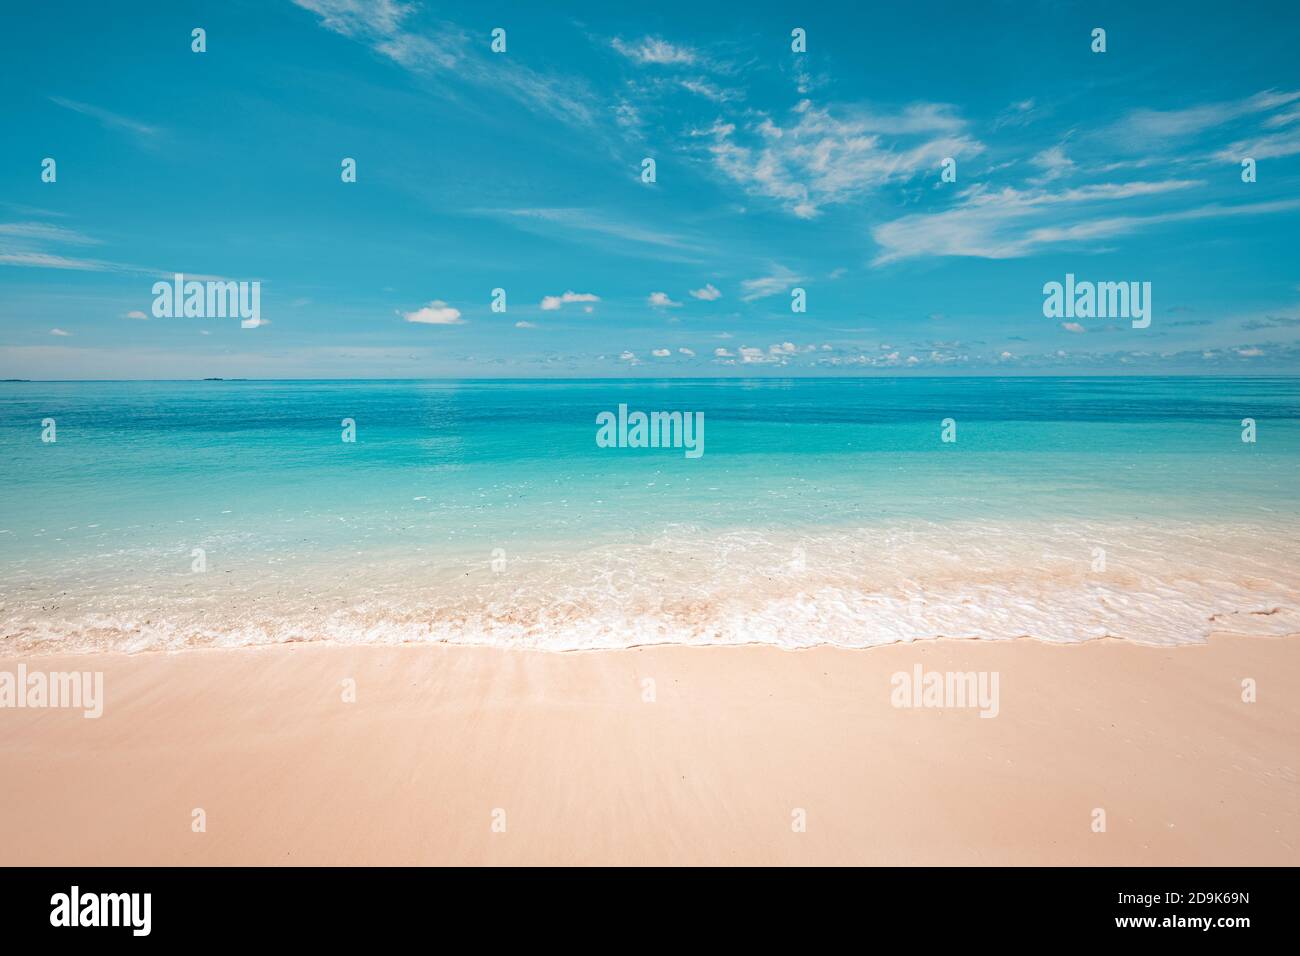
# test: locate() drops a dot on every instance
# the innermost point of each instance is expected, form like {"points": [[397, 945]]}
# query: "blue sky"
{"points": [[522, 171]]}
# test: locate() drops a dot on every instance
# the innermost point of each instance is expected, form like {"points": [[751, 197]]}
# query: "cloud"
{"points": [[1020, 113], [708, 293], [687, 352], [660, 300], [1252, 352], [551, 303], [595, 228], [45, 232], [1073, 327], [824, 156], [60, 333], [436, 312], [525, 325], [780, 280], [655, 50], [661, 353], [449, 53], [626, 356], [1270, 322], [107, 119], [1011, 223], [1146, 124], [1053, 162], [136, 314], [722, 353], [1269, 146], [46, 260], [358, 17], [709, 90]]}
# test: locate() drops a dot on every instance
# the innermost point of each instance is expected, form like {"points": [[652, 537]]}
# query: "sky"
{"points": [[522, 170]]}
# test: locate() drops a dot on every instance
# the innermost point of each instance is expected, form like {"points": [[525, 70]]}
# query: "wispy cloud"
{"points": [[780, 280], [1143, 125], [446, 51], [106, 118], [1009, 223], [825, 156], [655, 50], [591, 225]]}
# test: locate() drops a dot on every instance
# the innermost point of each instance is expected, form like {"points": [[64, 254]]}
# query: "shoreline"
{"points": [[736, 741]]}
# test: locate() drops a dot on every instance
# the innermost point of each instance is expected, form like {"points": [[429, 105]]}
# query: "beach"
{"points": [[461, 630], [464, 755]]}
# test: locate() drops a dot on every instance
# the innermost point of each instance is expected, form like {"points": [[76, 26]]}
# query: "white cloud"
{"points": [[525, 325], [594, 228], [660, 300], [45, 260], [1269, 146], [1053, 162], [1073, 327], [822, 157], [655, 50], [708, 293], [354, 17], [1252, 352], [722, 353], [780, 280], [60, 333], [552, 302], [436, 312], [45, 232], [449, 53], [629, 357], [709, 90], [686, 352], [661, 353], [135, 314], [110, 120], [1144, 124], [1010, 223]]}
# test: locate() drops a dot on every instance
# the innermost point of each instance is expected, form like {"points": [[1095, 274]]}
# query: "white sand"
{"points": [[711, 772]]}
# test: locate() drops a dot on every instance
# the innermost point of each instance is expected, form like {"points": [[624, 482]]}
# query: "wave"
{"points": [[1171, 584]]}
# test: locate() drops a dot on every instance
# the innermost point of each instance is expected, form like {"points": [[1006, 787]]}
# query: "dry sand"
{"points": [[711, 772]]}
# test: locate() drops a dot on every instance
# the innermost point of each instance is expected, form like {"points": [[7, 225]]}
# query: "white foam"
{"points": [[1165, 585]]}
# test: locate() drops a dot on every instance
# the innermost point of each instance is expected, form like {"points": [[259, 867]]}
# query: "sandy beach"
{"points": [[661, 755]]}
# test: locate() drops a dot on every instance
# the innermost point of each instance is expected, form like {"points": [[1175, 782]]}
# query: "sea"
{"points": [[852, 512]]}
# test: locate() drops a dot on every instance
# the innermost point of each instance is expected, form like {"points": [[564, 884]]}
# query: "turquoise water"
{"points": [[98, 529]]}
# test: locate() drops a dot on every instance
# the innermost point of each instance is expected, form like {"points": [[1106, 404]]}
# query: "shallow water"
{"points": [[822, 511]]}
